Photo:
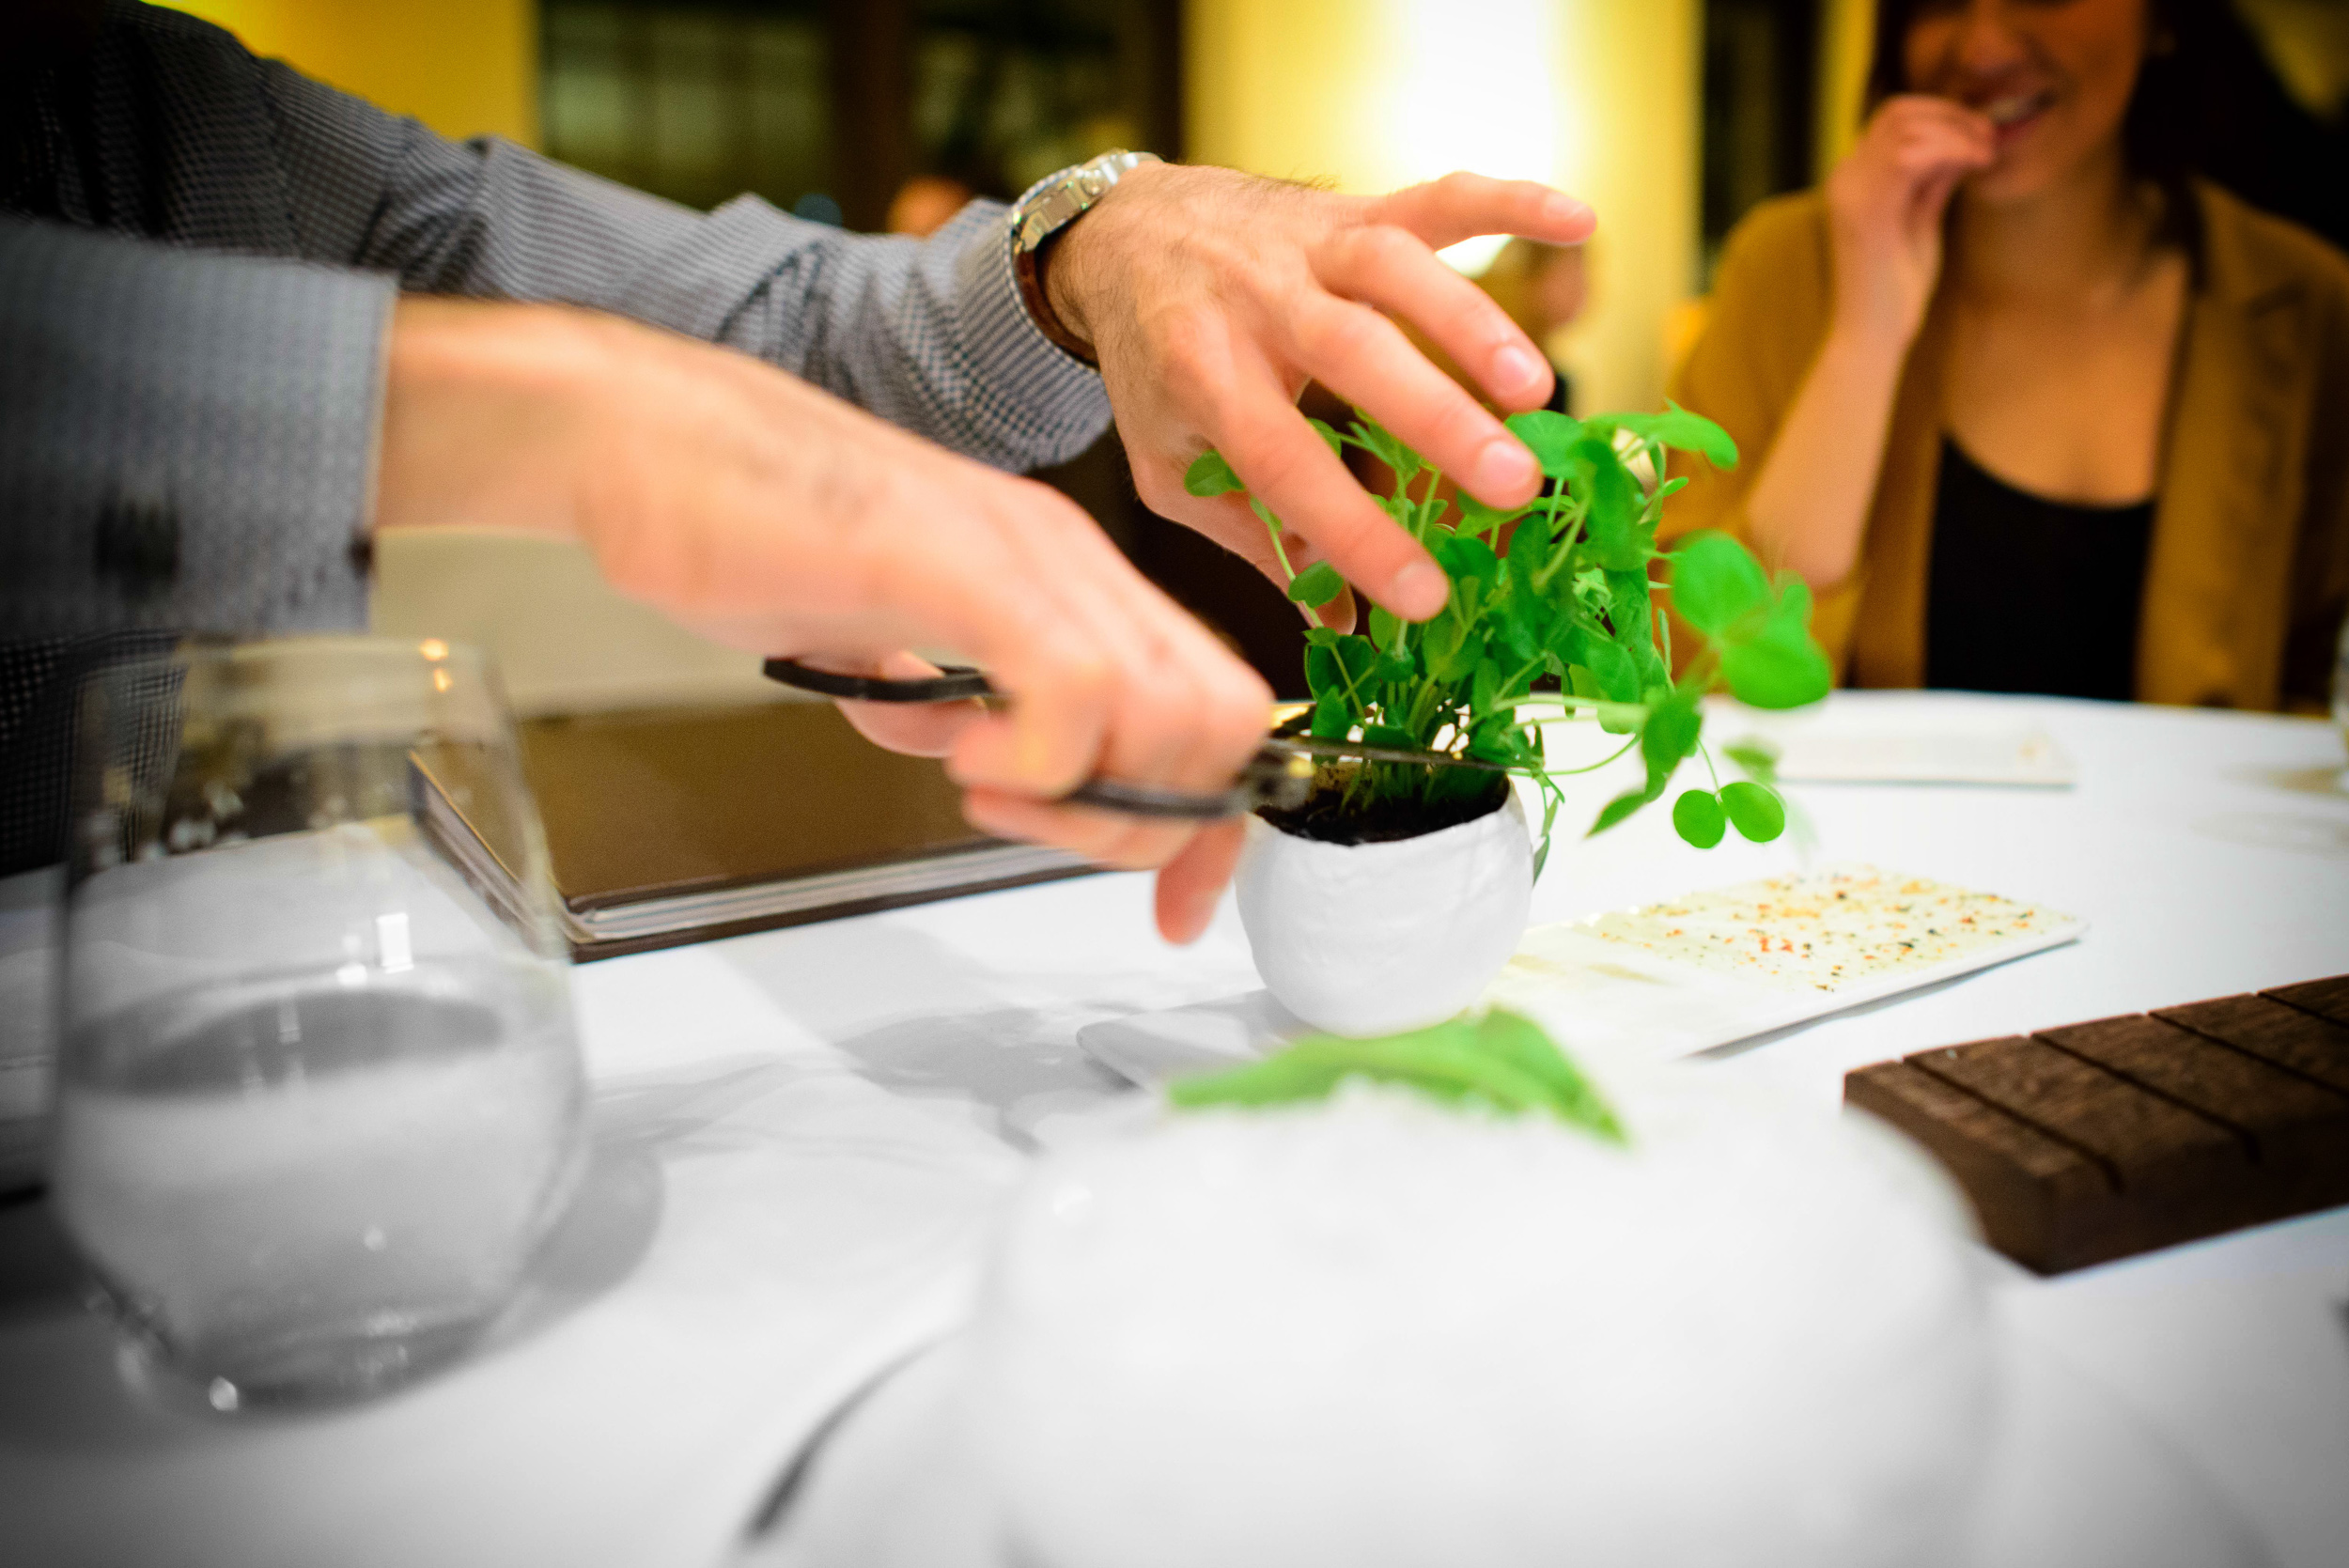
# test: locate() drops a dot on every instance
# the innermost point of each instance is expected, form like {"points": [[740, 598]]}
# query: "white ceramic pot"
{"points": [[1368, 939]]}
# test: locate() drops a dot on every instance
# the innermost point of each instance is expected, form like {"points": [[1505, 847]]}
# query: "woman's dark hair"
{"points": [[2207, 102]]}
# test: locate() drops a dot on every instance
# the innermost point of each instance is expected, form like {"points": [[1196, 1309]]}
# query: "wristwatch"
{"points": [[1049, 205]]}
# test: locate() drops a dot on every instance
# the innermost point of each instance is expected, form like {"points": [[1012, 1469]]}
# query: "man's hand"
{"points": [[1212, 297], [760, 511]]}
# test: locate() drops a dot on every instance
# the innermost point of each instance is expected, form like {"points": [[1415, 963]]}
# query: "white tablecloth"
{"points": [[800, 1135]]}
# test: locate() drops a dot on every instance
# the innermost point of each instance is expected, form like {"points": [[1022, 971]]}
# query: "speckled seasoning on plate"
{"points": [[1826, 930]]}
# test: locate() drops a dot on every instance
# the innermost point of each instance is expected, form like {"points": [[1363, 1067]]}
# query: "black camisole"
{"points": [[2031, 595]]}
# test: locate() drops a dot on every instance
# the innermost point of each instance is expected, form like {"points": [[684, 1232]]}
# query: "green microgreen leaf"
{"points": [[1407, 464], [1617, 809], [1550, 436], [1758, 758], [1781, 668], [1780, 664], [1316, 586], [1530, 544], [1671, 731], [1618, 677], [1525, 626], [1628, 609], [1477, 518], [1611, 529], [1698, 818], [1484, 688], [1449, 645], [1758, 814], [1551, 801], [1323, 673], [1681, 430], [1614, 716], [1568, 595], [1466, 559], [1209, 474], [1716, 584]]}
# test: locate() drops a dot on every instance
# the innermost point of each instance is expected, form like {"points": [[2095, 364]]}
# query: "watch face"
{"points": [[1063, 198]]}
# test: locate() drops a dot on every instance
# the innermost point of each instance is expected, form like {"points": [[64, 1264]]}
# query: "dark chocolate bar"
{"points": [[2097, 1141]]}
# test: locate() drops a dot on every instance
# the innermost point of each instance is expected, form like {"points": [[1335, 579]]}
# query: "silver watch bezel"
{"points": [[1058, 199]]}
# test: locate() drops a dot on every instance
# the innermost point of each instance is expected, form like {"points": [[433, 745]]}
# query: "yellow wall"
{"points": [[1633, 78], [1597, 95], [462, 66], [2308, 41], [1846, 35]]}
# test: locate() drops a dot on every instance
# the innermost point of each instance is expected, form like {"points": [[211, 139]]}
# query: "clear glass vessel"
{"points": [[318, 1093], [2340, 684]]}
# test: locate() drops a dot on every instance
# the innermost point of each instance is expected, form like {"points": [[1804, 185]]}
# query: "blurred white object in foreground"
{"points": [[1378, 1332]]}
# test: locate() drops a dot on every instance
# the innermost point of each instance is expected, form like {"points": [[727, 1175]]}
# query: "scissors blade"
{"points": [[1311, 747], [1277, 775]]}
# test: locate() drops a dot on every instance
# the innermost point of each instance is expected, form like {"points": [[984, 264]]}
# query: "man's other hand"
{"points": [[775, 518], [1212, 297]]}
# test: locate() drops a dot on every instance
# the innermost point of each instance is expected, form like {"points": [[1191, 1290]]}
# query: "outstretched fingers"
{"points": [[1190, 883], [1364, 358], [1286, 466], [1463, 205], [1389, 266]]}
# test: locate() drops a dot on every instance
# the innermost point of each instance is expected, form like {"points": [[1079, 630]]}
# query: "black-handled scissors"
{"points": [[1280, 775]]}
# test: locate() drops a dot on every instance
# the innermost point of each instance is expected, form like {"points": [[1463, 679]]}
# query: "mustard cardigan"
{"points": [[2248, 572]]}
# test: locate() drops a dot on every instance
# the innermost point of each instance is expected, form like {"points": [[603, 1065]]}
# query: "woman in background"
{"points": [[2030, 406]]}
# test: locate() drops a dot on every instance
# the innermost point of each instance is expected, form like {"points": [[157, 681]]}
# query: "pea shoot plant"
{"points": [[1556, 594]]}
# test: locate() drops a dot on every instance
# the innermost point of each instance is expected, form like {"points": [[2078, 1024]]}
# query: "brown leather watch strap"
{"points": [[1028, 266]]}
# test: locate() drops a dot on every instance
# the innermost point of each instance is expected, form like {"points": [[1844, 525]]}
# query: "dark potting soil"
{"points": [[1324, 815]]}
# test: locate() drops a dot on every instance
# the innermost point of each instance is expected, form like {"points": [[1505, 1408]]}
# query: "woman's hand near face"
{"points": [[1885, 204], [1809, 504]]}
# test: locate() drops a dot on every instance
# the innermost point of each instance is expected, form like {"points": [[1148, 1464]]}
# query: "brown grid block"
{"points": [[2275, 1031], [2097, 1141], [2327, 998]]}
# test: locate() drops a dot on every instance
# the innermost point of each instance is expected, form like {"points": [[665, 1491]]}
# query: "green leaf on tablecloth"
{"points": [[1499, 1061]]}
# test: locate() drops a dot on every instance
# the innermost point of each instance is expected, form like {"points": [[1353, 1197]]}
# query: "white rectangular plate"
{"points": [[1627, 993], [2026, 758]]}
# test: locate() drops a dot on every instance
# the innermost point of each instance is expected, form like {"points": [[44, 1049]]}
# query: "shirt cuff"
{"points": [[1060, 395], [186, 438]]}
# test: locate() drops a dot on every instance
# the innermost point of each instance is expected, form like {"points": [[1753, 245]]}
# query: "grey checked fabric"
{"points": [[198, 252]]}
